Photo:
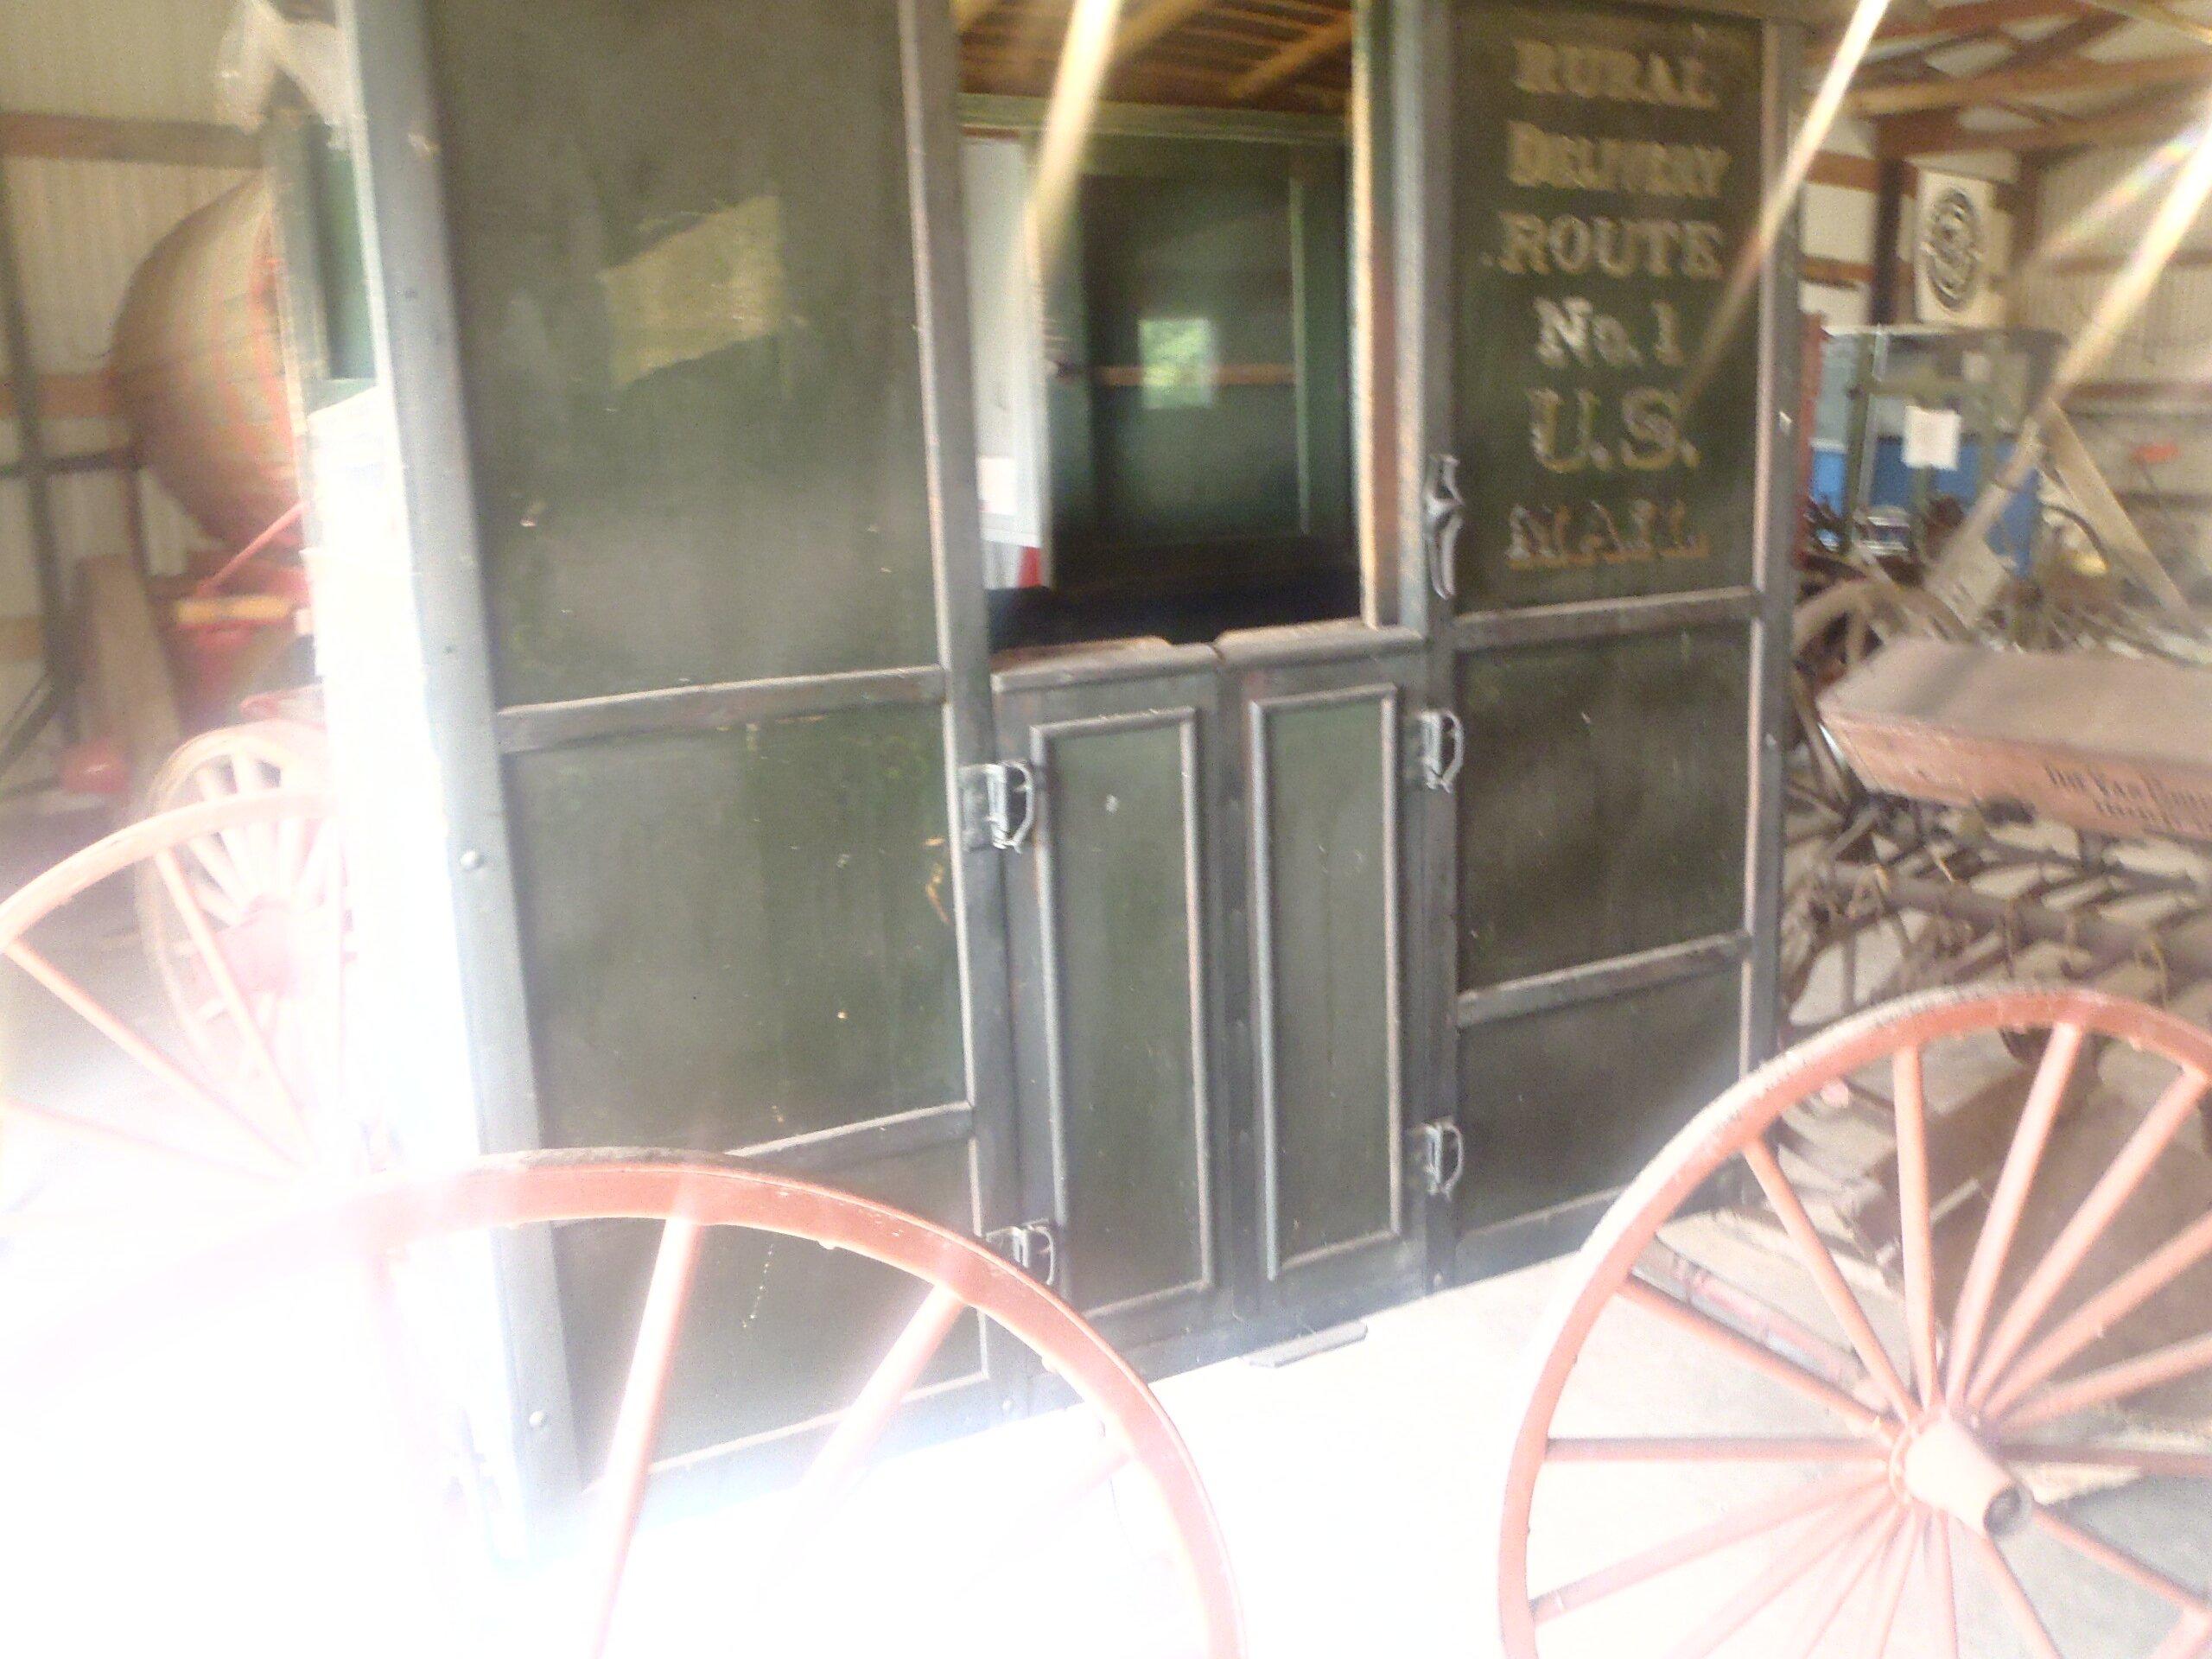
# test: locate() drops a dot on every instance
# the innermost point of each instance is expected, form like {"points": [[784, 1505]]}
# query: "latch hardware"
{"points": [[1032, 1246], [999, 805], [1443, 515], [1442, 749], [1441, 1155]]}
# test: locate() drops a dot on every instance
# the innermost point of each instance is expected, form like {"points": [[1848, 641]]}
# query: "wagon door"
{"points": [[1599, 485], [691, 502]]}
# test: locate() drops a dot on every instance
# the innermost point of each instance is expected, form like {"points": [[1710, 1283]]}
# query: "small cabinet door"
{"points": [[1332, 772], [1115, 910]]}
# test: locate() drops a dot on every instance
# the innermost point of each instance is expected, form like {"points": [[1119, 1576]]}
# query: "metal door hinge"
{"points": [[1442, 749], [998, 805], [1032, 1246], [1443, 515], [1441, 1155]]}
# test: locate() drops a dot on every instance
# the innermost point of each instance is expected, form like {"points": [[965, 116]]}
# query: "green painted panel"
{"points": [[734, 936], [1330, 965], [1605, 179], [1130, 1078], [682, 236], [779, 1331], [1602, 807], [1563, 1105]]}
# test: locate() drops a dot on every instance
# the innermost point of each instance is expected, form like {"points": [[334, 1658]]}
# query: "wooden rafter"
{"points": [[1147, 20], [2156, 11], [1935, 133], [105, 138], [1935, 24], [1288, 60], [2007, 84], [2067, 41]]}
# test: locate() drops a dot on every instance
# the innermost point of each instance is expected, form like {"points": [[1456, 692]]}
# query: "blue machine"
{"points": [[1991, 378]]}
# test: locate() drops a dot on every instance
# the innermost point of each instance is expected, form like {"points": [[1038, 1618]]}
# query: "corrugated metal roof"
{"points": [[151, 59]]}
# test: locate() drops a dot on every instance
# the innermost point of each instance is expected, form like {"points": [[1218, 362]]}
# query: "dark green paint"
{"points": [[1571, 1104], [1494, 363], [755, 505], [1130, 1079], [1602, 807], [734, 936], [1329, 907]]}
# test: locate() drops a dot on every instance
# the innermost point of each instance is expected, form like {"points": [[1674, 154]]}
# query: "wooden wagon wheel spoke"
{"points": [[2078, 1330], [113, 1135], [1915, 1218], [1846, 1570], [1761, 1359], [2128, 1459], [219, 969], [1819, 1261], [1889, 1592], [2113, 1189], [694, 1198], [2192, 1639], [637, 1420], [1805, 1553], [1713, 1448], [2014, 1596], [1951, 1449], [2120, 1563], [1750, 1521], [139, 1049], [2114, 1383], [197, 1112], [2009, 1203]]}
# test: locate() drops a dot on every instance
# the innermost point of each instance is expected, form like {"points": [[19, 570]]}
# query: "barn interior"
{"points": [[1187, 677]]}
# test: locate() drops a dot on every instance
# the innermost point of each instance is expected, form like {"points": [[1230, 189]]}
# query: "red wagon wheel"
{"points": [[98, 1053], [1936, 1412], [698, 1201], [267, 878]]}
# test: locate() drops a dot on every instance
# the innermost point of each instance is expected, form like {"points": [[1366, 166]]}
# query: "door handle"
{"points": [[1443, 749], [1443, 516]]}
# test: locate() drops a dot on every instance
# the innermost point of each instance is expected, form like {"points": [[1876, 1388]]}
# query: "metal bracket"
{"points": [[1032, 1246], [998, 805], [1441, 1155], [1443, 749], [1443, 515]]}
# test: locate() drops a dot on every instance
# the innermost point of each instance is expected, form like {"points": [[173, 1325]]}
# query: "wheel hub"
{"points": [[1942, 1464]]}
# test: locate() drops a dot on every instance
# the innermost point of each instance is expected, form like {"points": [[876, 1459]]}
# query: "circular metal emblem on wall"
{"points": [[1951, 246]]}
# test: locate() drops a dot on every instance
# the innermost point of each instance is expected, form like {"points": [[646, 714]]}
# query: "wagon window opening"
{"points": [[1162, 327]]}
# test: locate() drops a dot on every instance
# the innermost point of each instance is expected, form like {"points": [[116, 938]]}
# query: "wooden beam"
{"points": [[1846, 172], [1999, 85], [2104, 265], [2067, 41], [1835, 273], [1941, 134], [67, 397], [1933, 23], [1149, 20], [2155, 11], [1309, 48], [54, 138], [1889, 217]]}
